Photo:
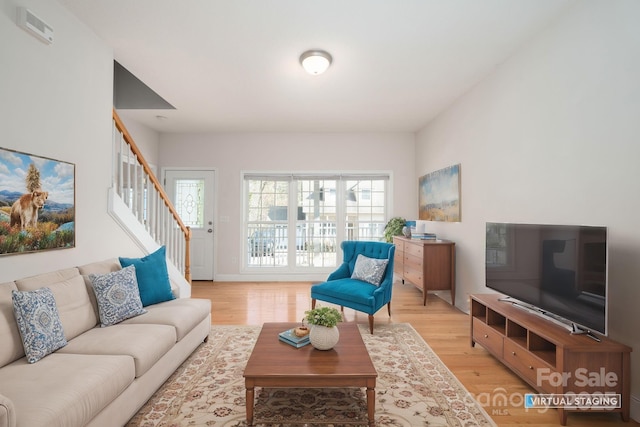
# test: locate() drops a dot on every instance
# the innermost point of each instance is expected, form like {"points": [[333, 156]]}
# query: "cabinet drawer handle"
{"points": [[530, 367], [513, 352], [486, 336]]}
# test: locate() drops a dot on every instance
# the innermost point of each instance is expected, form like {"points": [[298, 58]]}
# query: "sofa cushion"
{"points": [[38, 322], [72, 299], [146, 344], [11, 348], [183, 314], [356, 291], [370, 270], [117, 295], [153, 277], [99, 267], [36, 282], [7, 412], [64, 389]]}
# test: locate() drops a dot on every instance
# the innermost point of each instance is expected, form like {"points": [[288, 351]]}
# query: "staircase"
{"points": [[141, 207]]}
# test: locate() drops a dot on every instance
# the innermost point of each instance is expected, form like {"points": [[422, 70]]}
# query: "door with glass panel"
{"points": [[192, 194]]}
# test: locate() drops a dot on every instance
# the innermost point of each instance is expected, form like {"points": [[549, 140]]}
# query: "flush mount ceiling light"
{"points": [[315, 61]]}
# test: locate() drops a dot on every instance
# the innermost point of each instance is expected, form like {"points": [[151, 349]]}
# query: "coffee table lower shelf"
{"points": [[274, 364]]}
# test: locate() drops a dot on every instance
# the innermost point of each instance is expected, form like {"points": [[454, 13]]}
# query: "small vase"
{"points": [[406, 231], [323, 338]]}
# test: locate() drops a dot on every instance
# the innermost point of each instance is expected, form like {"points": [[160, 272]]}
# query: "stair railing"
{"points": [[137, 185]]}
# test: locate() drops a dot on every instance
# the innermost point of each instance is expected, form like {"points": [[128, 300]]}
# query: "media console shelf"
{"points": [[547, 356]]}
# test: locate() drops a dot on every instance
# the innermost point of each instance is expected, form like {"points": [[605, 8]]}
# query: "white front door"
{"points": [[192, 194]]}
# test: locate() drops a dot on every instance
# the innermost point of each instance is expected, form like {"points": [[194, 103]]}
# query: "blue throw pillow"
{"points": [[117, 295], [39, 322], [370, 270], [153, 277]]}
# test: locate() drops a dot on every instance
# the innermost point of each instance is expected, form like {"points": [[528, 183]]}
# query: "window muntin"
{"points": [[316, 226], [324, 209], [267, 222], [365, 215]]}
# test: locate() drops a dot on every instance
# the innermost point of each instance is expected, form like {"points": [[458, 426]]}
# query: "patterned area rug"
{"points": [[414, 388]]}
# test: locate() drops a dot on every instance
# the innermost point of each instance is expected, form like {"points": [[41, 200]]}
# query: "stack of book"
{"points": [[423, 236], [419, 232], [292, 339]]}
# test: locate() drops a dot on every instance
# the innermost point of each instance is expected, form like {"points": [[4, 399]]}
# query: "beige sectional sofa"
{"points": [[103, 375]]}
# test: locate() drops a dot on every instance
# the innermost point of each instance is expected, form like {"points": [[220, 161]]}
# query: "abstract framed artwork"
{"points": [[439, 195], [37, 203]]}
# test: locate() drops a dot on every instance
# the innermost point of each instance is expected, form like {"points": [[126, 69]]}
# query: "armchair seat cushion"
{"points": [[345, 290], [352, 290]]}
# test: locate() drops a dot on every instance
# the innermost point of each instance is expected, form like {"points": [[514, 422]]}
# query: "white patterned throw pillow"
{"points": [[38, 322], [117, 295], [370, 270]]}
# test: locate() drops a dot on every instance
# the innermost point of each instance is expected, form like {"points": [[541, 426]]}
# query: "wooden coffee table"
{"points": [[276, 364]]}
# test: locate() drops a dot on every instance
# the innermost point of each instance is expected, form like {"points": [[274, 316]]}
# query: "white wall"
{"points": [[553, 137], [231, 154], [145, 138], [55, 101]]}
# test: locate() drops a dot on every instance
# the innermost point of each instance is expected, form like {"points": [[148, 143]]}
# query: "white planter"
{"points": [[323, 338]]}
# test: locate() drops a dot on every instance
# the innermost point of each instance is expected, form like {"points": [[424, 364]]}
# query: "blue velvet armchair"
{"points": [[359, 295]]}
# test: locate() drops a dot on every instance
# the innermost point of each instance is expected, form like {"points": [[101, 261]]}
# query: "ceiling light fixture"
{"points": [[315, 61]]}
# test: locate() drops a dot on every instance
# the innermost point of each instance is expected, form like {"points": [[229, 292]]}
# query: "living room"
{"points": [[550, 136]]}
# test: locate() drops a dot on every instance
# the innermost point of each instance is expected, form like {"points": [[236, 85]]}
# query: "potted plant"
{"points": [[323, 320], [394, 228]]}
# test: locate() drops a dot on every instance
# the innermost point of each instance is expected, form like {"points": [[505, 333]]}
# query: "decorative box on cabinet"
{"points": [[547, 356], [427, 264]]}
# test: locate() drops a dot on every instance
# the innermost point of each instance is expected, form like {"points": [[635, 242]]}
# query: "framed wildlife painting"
{"points": [[37, 203], [439, 195]]}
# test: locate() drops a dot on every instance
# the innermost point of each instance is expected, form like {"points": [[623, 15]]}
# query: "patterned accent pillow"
{"points": [[39, 322], [117, 295], [370, 270]]}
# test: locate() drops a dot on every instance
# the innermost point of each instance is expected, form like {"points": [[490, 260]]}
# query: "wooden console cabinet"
{"points": [[427, 264], [547, 356]]}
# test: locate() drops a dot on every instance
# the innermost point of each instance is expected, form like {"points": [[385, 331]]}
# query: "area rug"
{"points": [[414, 388]]}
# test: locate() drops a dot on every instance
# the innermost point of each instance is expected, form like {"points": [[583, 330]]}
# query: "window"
{"points": [[316, 223], [267, 221], [296, 222], [366, 209], [189, 201]]}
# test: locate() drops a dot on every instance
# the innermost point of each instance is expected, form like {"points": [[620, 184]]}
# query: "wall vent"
{"points": [[34, 25]]}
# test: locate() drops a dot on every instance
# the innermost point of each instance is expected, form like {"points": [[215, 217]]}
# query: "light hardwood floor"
{"points": [[443, 327]]}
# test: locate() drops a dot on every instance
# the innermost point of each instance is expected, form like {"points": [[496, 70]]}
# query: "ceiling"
{"points": [[232, 65]]}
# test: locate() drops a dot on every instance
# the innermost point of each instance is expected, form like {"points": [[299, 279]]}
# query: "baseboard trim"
{"points": [[635, 408]]}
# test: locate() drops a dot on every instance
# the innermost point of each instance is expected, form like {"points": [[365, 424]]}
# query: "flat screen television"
{"points": [[556, 270]]}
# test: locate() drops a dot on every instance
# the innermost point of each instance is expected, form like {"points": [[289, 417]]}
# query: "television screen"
{"points": [[559, 269]]}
